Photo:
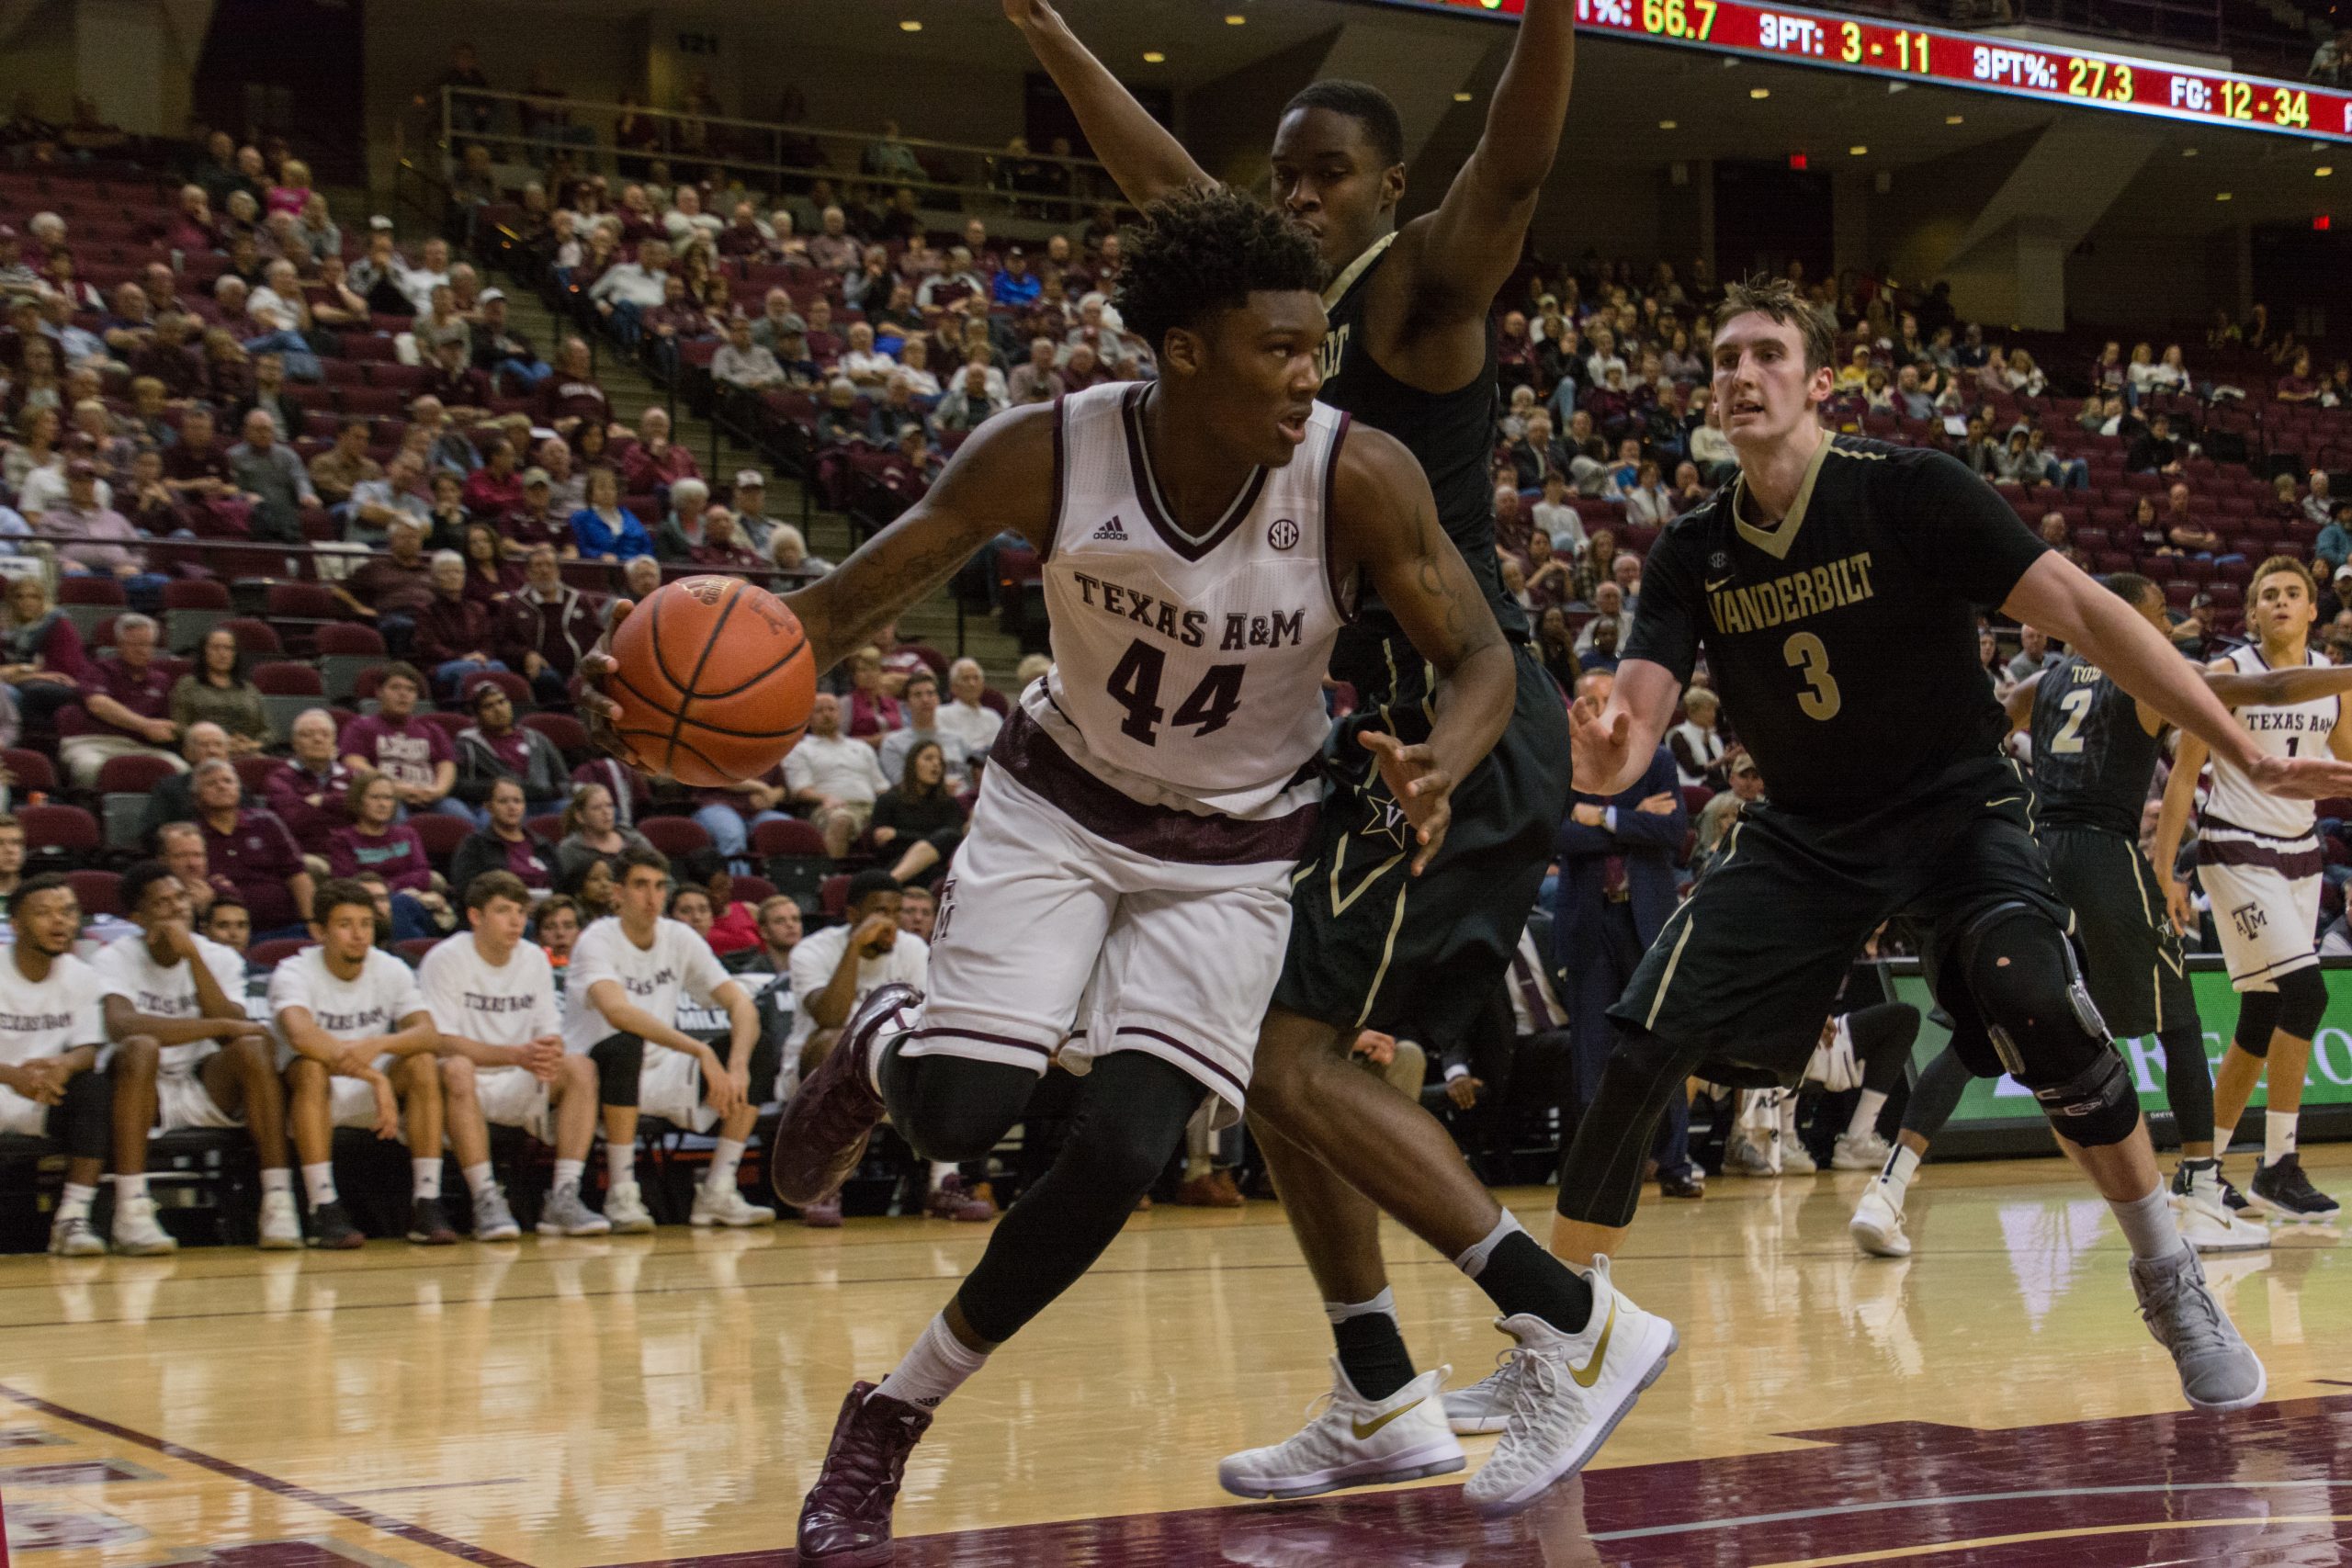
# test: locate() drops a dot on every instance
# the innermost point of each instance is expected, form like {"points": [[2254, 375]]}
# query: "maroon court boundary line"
{"points": [[398, 1529]]}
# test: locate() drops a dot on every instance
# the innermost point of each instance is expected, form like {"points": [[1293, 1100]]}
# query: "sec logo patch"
{"points": [[1283, 534]]}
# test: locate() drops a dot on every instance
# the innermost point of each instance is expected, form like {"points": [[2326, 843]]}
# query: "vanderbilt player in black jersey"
{"points": [[1834, 585], [1376, 934], [2095, 752]]}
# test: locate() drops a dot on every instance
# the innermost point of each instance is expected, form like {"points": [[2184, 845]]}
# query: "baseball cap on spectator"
{"points": [[80, 469], [8, 235], [535, 476], [1742, 763], [487, 295], [380, 223], [750, 478], [2344, 572]]}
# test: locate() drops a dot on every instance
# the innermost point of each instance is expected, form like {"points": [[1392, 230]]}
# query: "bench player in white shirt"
{"points": [[620, 995], [51, 1033], [492, 998], [186, 1051], [1123, 899], [2258, 858], [364, 1042]]}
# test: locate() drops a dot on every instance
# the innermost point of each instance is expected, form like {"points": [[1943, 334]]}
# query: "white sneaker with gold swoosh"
{"points": [[1568, 1392], [1350, 1440]]}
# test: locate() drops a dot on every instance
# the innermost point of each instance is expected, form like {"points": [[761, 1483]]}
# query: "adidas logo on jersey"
{"points": [[1111, 530]]}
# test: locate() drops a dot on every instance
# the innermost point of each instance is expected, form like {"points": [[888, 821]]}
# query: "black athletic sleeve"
{"points": [[1958, 530], [1667, 617]]}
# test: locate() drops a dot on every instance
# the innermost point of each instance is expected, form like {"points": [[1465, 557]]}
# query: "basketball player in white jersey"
{"points": [[186, 1051], [1122, 901], [363, 1043], [2258, 860], [492, 998], [51, 1033]]}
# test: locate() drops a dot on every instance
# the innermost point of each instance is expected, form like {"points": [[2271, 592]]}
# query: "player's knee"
{"points": [[136, 1056], [2258, 1014], [2022, 976], [950, 1109], [578, 1075], [252, 1054], [458, 1077], [417, 1076], [306, 1076], [1108, 1157], [2094, 1106], [2302, 1002], [619, 1058], [1643, 1067]]}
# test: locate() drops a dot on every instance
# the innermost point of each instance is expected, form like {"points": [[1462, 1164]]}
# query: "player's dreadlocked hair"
{"points": [[1783, 302], [1202, 251]]}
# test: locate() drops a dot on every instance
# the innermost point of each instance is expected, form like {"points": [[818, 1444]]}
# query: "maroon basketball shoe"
{"points": [[845, 1522], [821, 1135]]}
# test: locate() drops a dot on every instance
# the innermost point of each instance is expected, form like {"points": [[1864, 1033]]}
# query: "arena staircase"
{"points": [[935, 622]]}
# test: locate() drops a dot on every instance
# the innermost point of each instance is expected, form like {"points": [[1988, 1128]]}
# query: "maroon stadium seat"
{"points": [[674, 836]]}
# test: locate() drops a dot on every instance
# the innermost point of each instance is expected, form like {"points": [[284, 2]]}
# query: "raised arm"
{"points": [[2057, 597], [2172, 822], [1473, 239], [2019, 703], [2279, 688], [1141, 154], [1386, 525]]}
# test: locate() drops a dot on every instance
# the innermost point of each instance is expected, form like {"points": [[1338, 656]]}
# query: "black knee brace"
{"points": [[2302, 1002], [2257, 1021], [950, 1107], [619, 1058], [2043, 1026], [82, 1120]]}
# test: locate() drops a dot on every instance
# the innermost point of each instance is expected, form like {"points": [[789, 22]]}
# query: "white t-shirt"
{"points": [[975, 726], [60, 1014], [835, 765], [127, 969], [653, 976], [504, 1004], [814, 961], [371, 1005]]}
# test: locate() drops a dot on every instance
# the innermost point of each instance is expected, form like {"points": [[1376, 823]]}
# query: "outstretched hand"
{"points": [[2302, 778], [1423, 790], [598, 711], [1598, 751], [1023, 13]]}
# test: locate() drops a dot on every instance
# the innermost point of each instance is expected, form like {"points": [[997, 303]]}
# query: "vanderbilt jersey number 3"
{"points": [[1804, 652]]}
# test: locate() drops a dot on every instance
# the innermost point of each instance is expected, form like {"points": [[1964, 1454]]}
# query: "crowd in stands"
{"points": [[221, 397]]}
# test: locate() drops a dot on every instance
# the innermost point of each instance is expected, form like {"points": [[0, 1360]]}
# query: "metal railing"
{"points": [[627, 140]]}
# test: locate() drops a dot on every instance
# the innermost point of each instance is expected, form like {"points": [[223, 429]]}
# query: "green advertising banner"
{"points": [[1991, 1100]]}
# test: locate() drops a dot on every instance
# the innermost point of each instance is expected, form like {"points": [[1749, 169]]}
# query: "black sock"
{"points": [[1373, 1354], [1520, 1277]]}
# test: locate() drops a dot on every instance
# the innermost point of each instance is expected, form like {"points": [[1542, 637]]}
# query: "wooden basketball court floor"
{"points": [[1993, 1400]]}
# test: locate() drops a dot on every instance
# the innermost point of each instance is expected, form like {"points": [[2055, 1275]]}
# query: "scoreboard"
{"points": [[1914, 53]]}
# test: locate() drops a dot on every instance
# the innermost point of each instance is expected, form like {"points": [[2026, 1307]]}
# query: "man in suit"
{"points": [[1615, 892]]}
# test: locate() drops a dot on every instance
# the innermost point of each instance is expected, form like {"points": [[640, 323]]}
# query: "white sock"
{"points": [[1865, 1118], [2148, 1224], [75, 1200], [725, 1155], [940, 1169], [935, 1368], [479, 1177], [127, 1187], [424, 1177], [2278, 1134], [1472, 1261], [620, 1162], [317, 1181], [568, 1173], [1381, 1306], [1901, 1166], [278, 1180]]}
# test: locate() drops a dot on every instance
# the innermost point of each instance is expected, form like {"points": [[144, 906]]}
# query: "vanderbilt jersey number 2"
{"points": [[1804, 653], [1134, 684], [2076, 706]]}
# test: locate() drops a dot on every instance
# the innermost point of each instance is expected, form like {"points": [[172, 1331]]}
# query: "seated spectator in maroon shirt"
{"points": [[374, 843], [415, 755], [491, 573], [464, 391], [913, 465], [40, 653], [308, 790], [503, 844], [871, 710], [722, 546], [1514, 352], [128, 701], [495, 747], [197, 469], [171, 357], [825, 345], [392, 590], [571, 397], [91, 539], [454, 631], [252, 850], [496, 488], [899, 660], [656, 462], [678, 318], [539, 520], [544, 627], [742, 236]]}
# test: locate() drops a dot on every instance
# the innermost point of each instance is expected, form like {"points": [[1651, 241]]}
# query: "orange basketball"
{"points": [[715, 681]]}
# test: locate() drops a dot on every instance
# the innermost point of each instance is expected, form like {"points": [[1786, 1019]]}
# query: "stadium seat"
{"points": [[31, 770], [753, 890], [570, 736], [287, 678], [266, 956], [549, 827], [441, 836], [413, 950], [789, 837], [133, 775], [254, 771], [674, 836], [100, 892], [254, 638], [59, 838]]}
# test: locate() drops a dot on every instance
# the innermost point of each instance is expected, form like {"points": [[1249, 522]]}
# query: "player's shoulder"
{"points": [[216, 954], [442, 954], [72, 971], [1861, 459], [123, 950]]}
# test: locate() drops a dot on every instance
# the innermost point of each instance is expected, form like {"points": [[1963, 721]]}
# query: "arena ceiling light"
{"points": [[1760, 93], [1668, 125], [1463, 97], [2222, 196], [1235, 20], [1856, 151], [1154, 57], [910, 26], [2322, 171], [1953, 118]]}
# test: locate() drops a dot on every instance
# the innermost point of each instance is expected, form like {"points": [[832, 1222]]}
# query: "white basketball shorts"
{"points": [[21, 1117], [670, 1085], [1054, 942], [2266, 919], [182, 1102], [514, 1097], [351, 1102]]}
